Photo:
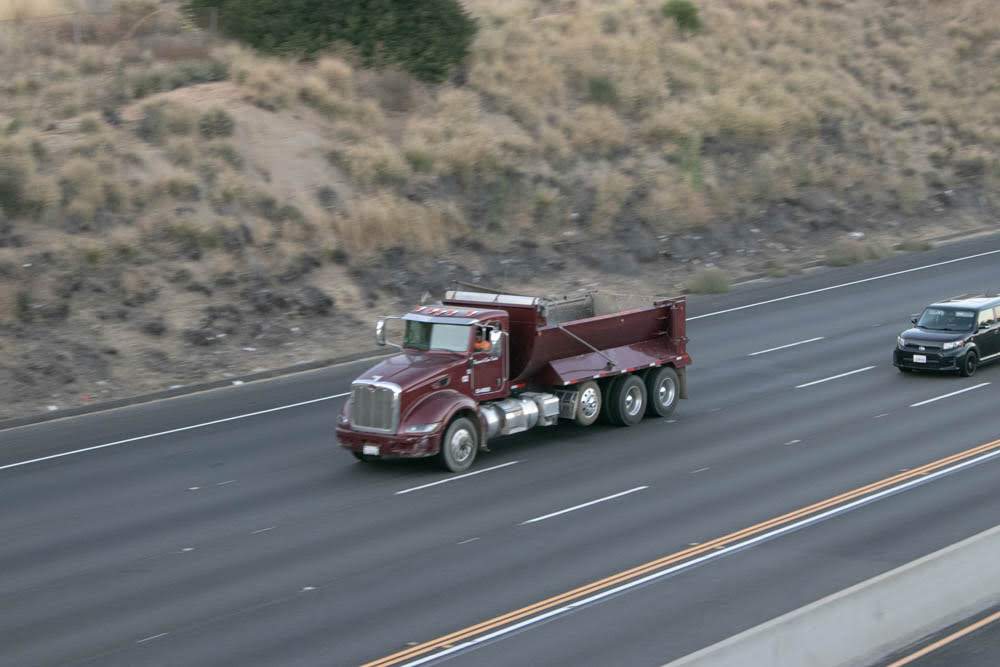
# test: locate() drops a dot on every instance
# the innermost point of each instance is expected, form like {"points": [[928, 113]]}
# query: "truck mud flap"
{"points": [[683, 377]]}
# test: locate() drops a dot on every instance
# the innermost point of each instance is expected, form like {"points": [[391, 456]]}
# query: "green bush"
{"points": [[709, 281], [684, 13], [215, 124], [602, 90], [428, 38]]}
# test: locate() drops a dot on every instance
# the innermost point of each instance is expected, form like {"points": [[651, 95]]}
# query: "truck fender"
{"points": [[441, 407]]}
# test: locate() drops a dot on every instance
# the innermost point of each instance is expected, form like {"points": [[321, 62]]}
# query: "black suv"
{"points": [[954, 335]]}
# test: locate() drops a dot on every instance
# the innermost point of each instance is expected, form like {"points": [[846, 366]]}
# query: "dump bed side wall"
{"points": [[616, 331]]}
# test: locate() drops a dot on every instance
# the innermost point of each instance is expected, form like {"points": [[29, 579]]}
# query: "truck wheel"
{"points": [[588, 405], [627, 400], [663, 390], [459, 445]]}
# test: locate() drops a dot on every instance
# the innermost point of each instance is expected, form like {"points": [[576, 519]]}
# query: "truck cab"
{"points": [[450, 359]]}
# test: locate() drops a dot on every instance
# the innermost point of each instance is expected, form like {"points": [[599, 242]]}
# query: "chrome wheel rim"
{"points": [[461, 445], [666, 393], [589, 402], [633, 401]]}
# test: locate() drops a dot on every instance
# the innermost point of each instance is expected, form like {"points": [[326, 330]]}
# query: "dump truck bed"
{"points": [[563, 340]]}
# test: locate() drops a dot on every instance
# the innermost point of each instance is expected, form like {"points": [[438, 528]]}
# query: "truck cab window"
{"points": [[435, 336]]}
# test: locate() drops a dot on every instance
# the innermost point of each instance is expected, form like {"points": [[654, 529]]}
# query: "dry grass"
{"points": [[19, 10], [382, 220]]}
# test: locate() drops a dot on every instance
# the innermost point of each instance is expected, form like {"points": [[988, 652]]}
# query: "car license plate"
{"points": [[920, 359], [370, 450]]}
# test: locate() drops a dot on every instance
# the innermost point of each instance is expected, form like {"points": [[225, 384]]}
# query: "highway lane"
{"points": [[344, 570]]}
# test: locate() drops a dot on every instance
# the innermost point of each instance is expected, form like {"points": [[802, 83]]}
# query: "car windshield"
{"points": [[947, 319], [436, 336]]}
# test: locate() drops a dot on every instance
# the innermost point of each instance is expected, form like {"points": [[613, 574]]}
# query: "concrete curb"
{"points": [[15, 422], [864, 623]]}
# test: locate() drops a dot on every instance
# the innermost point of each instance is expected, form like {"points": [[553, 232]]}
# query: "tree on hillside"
{"points": [[426, 37]]}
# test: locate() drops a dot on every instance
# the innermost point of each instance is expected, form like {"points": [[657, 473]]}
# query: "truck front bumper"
{"points": [[382, 446]]}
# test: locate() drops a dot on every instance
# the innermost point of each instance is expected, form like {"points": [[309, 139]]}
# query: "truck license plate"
{"points": [[920, 359], [371, 450]]}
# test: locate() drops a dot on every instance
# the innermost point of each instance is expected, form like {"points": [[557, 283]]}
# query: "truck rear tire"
{"points": [[459, 445], [626, 400], [663, 391], [588, 403]]}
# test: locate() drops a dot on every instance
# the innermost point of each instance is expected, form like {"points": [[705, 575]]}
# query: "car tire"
{"points": [[589, 403], [969, 365], [459, 445], [627, 396], [662, 391]]}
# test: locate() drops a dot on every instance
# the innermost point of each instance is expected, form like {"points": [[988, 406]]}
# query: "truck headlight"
{"points": [[421, 428], [953, 344], [342, 418], [900, 341]]}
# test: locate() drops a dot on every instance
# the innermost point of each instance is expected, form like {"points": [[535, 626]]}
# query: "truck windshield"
{"points": [[947, 319], [428, 336]]}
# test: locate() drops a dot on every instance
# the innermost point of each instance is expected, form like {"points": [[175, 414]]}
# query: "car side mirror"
{"points": [[913, 319], [380, 333]]}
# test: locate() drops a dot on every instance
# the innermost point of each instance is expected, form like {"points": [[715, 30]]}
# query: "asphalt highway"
{"points": [[226, 528]]}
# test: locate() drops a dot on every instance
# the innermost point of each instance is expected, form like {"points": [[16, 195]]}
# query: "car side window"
{"points": [[996, 313], [986, 317]]}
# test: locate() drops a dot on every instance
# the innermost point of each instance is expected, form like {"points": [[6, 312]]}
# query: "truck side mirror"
{"points": [[380, 333], [913, 319], [496, 336]]}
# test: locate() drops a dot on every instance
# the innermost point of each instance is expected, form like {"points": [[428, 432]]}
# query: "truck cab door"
{"points": [[489, 367]]}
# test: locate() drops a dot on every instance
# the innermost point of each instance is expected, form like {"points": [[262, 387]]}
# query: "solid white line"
{"points": [[849, 284], [785, 347], [719, 553], [149, 639], [577, 507], [171, 431], [452, 479], [835, 377], [262, 530], [954, 393]]}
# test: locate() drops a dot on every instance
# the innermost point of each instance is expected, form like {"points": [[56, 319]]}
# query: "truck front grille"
{"points": [[375, 407]]}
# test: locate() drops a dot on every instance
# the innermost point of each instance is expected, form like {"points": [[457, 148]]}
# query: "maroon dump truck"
{"points": [[482, 365]]}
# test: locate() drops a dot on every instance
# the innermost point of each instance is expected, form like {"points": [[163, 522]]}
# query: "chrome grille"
{"points": [[375, 407]]}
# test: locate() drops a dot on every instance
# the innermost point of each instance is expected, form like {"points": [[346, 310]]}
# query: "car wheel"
{"points": [[662, 390], [588, 404], [459, 445], [970, 365]]}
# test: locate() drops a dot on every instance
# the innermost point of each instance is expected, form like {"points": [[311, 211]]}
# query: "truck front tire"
{"points": [[663, 389], [625, 400], [459, 445]]}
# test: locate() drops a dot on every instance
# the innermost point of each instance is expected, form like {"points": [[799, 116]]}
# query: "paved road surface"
{"points": [[250, 539], [975, 642]]}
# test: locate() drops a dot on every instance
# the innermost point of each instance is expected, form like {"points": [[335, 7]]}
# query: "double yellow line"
{"points": [[449, 640]]}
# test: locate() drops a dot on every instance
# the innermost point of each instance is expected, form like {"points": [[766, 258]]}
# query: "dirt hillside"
{"points": [[175, 208]]}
